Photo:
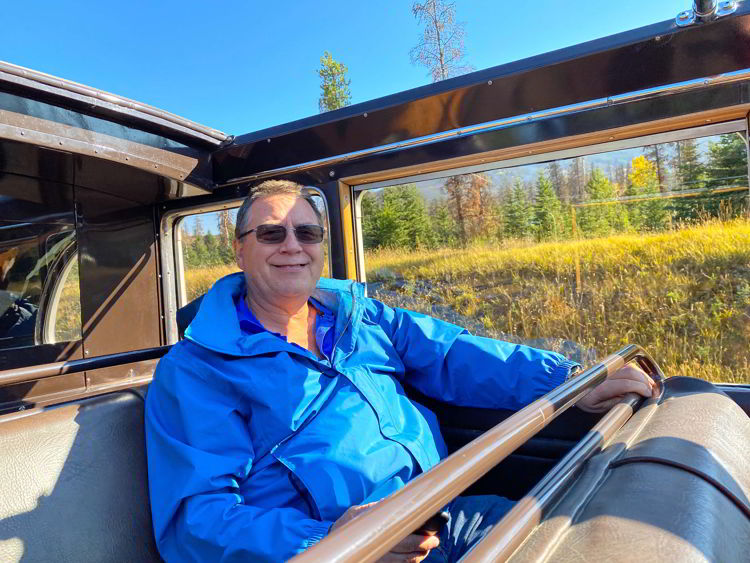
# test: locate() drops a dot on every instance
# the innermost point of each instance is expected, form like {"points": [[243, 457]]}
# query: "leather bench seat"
{"points": [[673, 485], [73, 483]]}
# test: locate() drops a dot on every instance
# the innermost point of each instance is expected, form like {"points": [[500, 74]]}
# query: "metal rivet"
{"points": [[489, 83], [611, 138], [331, 173], [268, 140], [658, 37], [22, 133], [86, 352], [127, 158], [61, 142], [365, 114]]}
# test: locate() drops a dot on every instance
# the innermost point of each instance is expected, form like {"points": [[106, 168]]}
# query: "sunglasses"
{"points": [[276, 234]]}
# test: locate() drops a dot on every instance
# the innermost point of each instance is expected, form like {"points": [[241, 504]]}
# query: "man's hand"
{"points": [[412, 549], [629, 379]]}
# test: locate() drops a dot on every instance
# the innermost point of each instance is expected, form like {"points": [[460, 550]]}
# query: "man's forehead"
{"points": [[278, 207]]}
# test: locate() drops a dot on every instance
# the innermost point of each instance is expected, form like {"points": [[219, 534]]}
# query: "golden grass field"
{"points": [[683, 295]]}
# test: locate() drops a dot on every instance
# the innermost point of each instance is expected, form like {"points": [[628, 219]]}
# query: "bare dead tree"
{"points": [[441, 46]]}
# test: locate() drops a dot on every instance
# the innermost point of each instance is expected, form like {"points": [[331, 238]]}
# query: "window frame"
{"points": [[172, 277], [677, 134]]}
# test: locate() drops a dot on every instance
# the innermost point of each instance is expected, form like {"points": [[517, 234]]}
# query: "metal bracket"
{"points": [[694, 16]]}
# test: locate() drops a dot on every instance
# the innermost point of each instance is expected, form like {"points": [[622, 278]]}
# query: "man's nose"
{"points": [[290, 244]]}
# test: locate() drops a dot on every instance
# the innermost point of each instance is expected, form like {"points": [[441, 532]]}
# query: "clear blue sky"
{"points": [[240, 66]]}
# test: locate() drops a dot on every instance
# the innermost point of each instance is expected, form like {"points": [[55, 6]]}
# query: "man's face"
{"points": [[283, 272]]}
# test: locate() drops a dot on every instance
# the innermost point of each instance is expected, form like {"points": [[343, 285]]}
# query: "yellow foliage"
{"points": [[643, 175]]}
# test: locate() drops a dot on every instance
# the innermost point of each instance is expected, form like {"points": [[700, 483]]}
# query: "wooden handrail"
{"points": [[371, 535], [527, 513]]}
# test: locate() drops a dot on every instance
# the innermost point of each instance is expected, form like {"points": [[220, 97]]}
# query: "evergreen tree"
{"points": [[370, 210], [727, 167], [412, 212], [547, 211], [518, 212], [334, 85], [691, 175], [601, 219], [444, 228]]}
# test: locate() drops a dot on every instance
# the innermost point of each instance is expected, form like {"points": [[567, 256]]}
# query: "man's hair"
{"points": [[271, 188]]}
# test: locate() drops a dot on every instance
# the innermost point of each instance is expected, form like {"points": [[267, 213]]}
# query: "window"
{"points": [[635, 243], [39, 291], [205, 244]]}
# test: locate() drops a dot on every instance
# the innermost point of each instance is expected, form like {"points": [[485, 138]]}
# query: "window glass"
{"points": [[648, 245], [38, 279], [207, 253]]}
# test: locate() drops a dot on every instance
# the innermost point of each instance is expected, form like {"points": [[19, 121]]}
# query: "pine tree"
{"points": [[547, 211], [518, 212], [370, 210], [334, 84], [601, 220], [412, 213], [727, 167], [444, 228], [691, 174]]}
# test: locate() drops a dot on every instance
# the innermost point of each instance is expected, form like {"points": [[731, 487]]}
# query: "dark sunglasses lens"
{"points": [[309, 234], [270, 234]]}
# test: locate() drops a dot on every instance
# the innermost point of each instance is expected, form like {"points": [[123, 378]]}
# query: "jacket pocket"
{"points": [[300, 484]]}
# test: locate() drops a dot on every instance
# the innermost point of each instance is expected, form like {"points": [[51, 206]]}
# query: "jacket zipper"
{"points": [[348, 321]]}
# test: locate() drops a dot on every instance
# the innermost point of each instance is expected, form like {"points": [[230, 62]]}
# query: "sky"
{"points": [[242, 66]]}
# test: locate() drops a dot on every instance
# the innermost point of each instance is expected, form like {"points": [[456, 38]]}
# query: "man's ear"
{"points": [[237, 245]]}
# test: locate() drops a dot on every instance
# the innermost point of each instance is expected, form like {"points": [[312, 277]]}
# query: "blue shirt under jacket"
{"points": [[256, 446]]}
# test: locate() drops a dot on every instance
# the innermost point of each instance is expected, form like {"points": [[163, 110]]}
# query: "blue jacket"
{"points": [[255, 446]]}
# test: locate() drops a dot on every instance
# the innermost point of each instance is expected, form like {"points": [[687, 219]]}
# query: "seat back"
{"points": [[73, 483]]}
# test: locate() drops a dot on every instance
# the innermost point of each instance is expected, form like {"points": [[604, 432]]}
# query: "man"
{"points": [[282, 414]]}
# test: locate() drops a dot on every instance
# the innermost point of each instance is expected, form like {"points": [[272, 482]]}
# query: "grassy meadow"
{"points": [[684, 295]]}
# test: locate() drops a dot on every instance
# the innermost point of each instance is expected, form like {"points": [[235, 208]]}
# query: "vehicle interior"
{"points": [[102, 201]]}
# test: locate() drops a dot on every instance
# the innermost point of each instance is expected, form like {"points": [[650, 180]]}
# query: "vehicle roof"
{"points": [[110, 106]]}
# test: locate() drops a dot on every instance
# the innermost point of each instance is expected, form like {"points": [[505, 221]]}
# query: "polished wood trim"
{"points": [[371, 535], [604, 136], [347, 229], [526, 514]]}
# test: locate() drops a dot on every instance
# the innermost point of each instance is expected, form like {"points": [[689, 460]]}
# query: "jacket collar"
{"points": [[217, 327]]}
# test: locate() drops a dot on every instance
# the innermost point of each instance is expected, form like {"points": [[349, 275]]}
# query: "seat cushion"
{"points": [[73, 483]]}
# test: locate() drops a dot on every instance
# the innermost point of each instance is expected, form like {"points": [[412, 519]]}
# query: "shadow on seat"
{"points": [[74, 483]]}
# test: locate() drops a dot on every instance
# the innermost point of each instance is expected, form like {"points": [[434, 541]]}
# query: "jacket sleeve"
{"points": [[199, 451], [447, 363]]}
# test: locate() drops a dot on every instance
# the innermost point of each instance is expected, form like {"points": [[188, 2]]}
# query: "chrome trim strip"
{"points": [[726, 78]]}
